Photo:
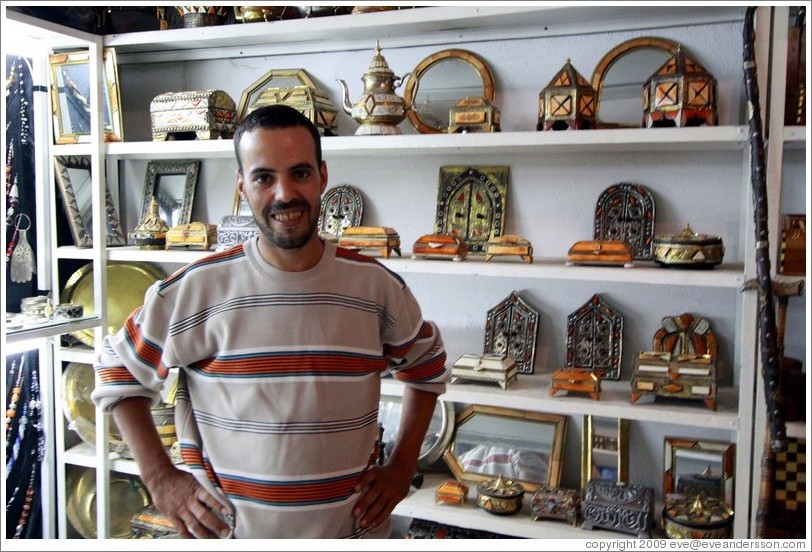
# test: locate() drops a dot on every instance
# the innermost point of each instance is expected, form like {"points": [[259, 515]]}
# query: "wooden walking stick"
{"points": [[776, 440]]}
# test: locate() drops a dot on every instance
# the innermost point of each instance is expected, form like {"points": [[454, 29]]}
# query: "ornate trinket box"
{"points": [[680, 93], [383, 238], [305, 97], [792, 259], [439, 246], [474, 114], [149, 523], [618, 507], [488, 368], [195, 235], [697, 517], [500, 496], [510, 244], [451, 492], [555, 503], [682, 364], [576, 379], [600, 252], [201, 114], [568, 102], [234, 229], [688, 249]]}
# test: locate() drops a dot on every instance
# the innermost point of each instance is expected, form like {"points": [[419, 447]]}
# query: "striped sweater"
{"points": [[279, 379]]}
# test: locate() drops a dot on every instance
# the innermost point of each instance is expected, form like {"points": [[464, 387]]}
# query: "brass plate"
{"points": [[127, 497], [78, 382], [126, 285]]}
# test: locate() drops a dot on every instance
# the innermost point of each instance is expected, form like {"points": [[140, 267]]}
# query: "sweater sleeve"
{"points": [[415, 350], [131, 361]]}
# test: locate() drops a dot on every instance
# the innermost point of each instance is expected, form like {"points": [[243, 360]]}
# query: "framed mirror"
{"points": [[441, 428], [521, 445], [70, 97], [693, 466], [73, 178], [439, 82], [172, 183], [619, 77], [604, 449]]}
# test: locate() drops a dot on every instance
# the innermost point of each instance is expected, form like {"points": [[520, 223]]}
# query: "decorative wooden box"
{"points": [[474, 114], [195, 235], [554, 503], [312, 102], [697, 517], [509, 245], [382, 238], [234, 229], [149, 523], [600, 252], [451, 492], [576, 379], [688, 377], [439, 246], [489, 368], [201, 114], [618, 507]]}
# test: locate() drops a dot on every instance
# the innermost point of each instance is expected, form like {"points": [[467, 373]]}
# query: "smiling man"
{"points": [[279, 344]]}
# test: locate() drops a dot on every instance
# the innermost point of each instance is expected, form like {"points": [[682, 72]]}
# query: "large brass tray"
{"points": [[78, 383], [127, 497], [126, 285]]}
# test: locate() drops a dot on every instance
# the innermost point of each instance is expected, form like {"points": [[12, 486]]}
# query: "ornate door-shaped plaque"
{"points": [[625, 212], [341, 207], [471, 204], [595, 338], [512, 329]]}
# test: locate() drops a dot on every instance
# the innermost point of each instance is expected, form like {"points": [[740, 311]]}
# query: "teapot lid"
{"points": [[378, 65]]}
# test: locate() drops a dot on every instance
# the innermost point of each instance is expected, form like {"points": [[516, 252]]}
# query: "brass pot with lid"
{"points": [[500, 496], [688, 249], [697, 517]]}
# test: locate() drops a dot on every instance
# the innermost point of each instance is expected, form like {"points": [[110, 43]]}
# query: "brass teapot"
{"points": [[379, 110]]}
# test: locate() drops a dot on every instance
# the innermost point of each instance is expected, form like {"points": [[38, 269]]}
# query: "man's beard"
{"points": [[281, 239]]}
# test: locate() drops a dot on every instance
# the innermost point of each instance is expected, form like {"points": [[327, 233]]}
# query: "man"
{"points": [[280, 344]]}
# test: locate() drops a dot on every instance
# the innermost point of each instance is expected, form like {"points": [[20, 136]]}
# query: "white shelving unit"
{"points": [[697, 173]]}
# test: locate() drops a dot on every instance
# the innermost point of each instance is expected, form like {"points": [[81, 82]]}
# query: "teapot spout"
{"points": [[346, 104]]}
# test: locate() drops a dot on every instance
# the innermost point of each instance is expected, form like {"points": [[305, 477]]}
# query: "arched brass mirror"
{"points": [[439, 82], [516, 444], [619, 77]]}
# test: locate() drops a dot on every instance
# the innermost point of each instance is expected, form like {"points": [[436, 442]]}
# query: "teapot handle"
{"points": [[400, 80]]}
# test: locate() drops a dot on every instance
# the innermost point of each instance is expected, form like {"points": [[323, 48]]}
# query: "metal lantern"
{"points": [[680, 93], [568, 102]]}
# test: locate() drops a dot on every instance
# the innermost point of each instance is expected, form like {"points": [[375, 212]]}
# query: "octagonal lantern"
{"points": [[568, 102]]}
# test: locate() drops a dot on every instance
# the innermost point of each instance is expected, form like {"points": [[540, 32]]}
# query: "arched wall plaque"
{"points": [[341, 207], [471, 204], [595, 338], [512, 329], [625, 212]]}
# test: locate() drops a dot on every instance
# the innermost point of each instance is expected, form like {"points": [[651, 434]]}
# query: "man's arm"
{"points": [[194, 512], [384, 487]]}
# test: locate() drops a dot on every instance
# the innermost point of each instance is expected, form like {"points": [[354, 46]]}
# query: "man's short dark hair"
{"points": [[275, 116]]}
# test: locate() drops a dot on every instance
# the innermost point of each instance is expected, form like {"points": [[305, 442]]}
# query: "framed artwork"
{"points": [[471, 204], [595, 338], [70, 97], [625, 212], [512, 329], [693, 466]]}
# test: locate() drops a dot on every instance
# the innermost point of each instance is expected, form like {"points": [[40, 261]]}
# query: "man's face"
{"points": [[282, 183]]}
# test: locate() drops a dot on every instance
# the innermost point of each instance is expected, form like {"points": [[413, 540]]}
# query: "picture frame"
{"points": [[604, 450], [172, 183], [523, 446], [694, 465], [70, 97], [73, 178]]}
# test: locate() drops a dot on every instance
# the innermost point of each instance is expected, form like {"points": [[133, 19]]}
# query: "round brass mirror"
{"points": [[619, 77], [439, 82]]}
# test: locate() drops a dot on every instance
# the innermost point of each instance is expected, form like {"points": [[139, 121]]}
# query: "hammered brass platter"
{"points": [[78, 382], [127, 283], [127, 497]]}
